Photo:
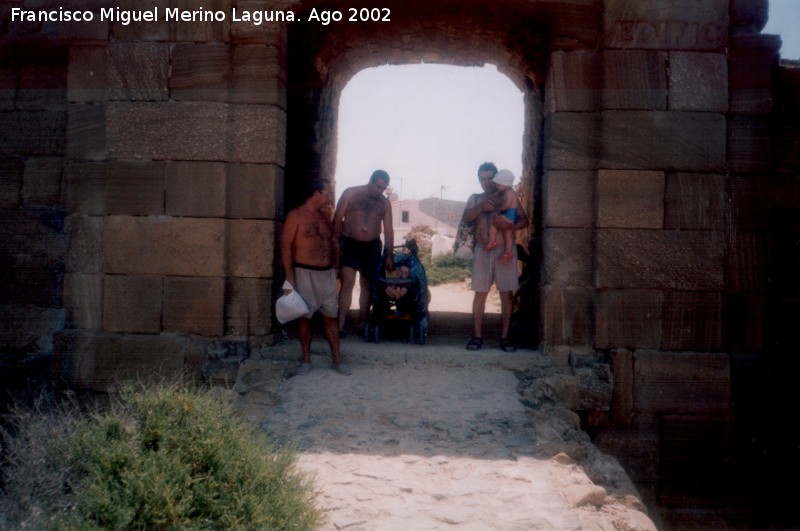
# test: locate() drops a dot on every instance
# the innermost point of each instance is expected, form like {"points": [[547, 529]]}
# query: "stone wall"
{"points": [[147, 166]]}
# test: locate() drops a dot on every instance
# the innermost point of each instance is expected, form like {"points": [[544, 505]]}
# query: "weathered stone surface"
{"points": [[255, 191], [568, 315], [248, 307], [84, 244], [637, 448], [29, 330], [634, 79], [682, 382], [83, 300], [86, 184], [622, 395], [196, 131], [572, 141], [34, 232], [194, 305], [749, 145], [695, 201], [38, 281], [628, 319], [196, 189], [257, 76], [199, 72], [630, 199], [135, 188], [41, 185], [246, 32], [750, 101], [749, 16], [750, 198], [747, 261], [12, 168], [568, 257], [666, 141], [251, 248], [132, 304], [751, 60], [8, 88], [160, 245], [42, 87], [698, 82], [574, 82], [87, 79], [692, 321], [569, 199], [138, 71], [34, 133], [681, 260], [666, 24], [86, 132]]}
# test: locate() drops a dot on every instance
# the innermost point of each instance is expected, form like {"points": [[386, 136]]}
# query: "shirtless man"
{"points": [[486, 268], [360, 215], [310, 259]]}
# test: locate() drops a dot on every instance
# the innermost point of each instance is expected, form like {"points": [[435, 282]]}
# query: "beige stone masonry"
{"points": [[256, 76], [162, 245], [41, 87], [569, 199], [698, 82], [568, 314], [682, 382], [695, 201], [630, 199], [86, 184], [87, 79], [138, 71], [634, 79], [692, 321], [196, 131], [568, 257], [195, 189], [749, 144], [37, 133], [628, 319], [41, 184], [243, 32], [135, 188], [83, 301], [199, 72], [194, 305], [572, 141], [248, 307], [254, 191], [86, 132], [84, 244], [251, 248], [132, 304], [680, 260], [746, 263], [621, 412], [574, 82]]}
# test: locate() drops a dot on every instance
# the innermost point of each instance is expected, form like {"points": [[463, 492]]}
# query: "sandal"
{"points": [[506, 346], [475, 343], [506, 256]]}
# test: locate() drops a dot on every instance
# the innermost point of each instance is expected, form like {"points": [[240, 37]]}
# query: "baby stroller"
{"points": [[400, 301]]}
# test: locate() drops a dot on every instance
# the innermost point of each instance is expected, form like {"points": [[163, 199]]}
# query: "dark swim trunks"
{"points": [[364, 257]]}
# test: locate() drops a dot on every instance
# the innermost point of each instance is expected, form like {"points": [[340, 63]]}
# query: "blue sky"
{"points": [[430, 126]]}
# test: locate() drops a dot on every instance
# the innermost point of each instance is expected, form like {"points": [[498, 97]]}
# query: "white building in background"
{"points": [[442, 215]]}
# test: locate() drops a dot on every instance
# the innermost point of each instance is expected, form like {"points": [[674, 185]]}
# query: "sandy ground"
{"points": [[435, 437]]}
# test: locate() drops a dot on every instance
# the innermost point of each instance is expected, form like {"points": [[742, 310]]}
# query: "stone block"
{"points": [[87, 80], [698, 82], [257, 76], [132, 304], [95, 31], [622, 396], [255, 191], [749, 145], [682, 382], [568, 257], [679, 260], [666, 24], [194, 305], [744, 320], [569, 199], [634, 79], [42, 87], [12, 171], [29, 330], [257, 134], [8, 87], [38, 281], [88, 360], [747, 261], [248, 307], [751, 199], [34, 133], [692, 321], [83, 300], [630, 199], [33, 232], [155, 30], [750, 101], [196, 189], [695, 201], [84, 244], [135, 188], [138, 71], [751, 59], [574, 82], [205, 30], [749, 16], [628, 319], [666, 141], [199, 72], [41, 185], [251, 248], [160, 245], [568, 317], [636, 448], [572, 141], [86, 132], [246, 32], [86, 184]]}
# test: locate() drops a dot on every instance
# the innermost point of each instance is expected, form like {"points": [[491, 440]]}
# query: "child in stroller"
{"points": [[401, 300]]}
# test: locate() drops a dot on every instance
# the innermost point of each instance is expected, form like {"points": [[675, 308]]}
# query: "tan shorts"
{"points": [[318, 289], [486, 268]]}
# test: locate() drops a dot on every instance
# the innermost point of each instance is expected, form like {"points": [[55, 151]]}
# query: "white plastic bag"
{"points": [[290, 307]]}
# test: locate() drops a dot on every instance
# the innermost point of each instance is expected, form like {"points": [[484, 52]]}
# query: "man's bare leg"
{"points": [[506, 304], [478, 308], [348, 277], [364, 300], [304, 332], [332, 336]]}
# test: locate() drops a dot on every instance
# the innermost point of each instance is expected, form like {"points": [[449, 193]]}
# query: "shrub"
{"points": [[446, 269], [158, 458]]}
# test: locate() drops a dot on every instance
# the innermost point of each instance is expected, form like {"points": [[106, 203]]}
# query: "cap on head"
{"points": [[504, 177]]}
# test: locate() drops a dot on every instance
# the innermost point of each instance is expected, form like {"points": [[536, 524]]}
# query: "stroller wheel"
{"points": [[377, 333], [421, 333]]}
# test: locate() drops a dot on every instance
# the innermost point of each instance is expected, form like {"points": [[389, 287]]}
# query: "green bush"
{"points": [[446, 269], [159, 458]]}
